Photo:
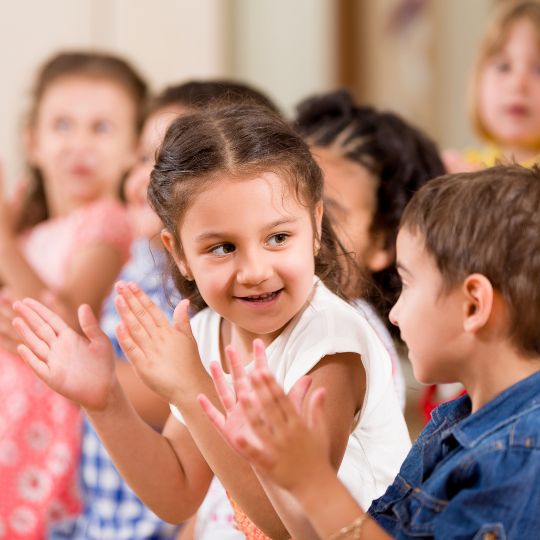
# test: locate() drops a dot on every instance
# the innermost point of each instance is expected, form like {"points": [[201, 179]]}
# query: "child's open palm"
{"points": [[80, 368], [164, 355], [266, 426]]}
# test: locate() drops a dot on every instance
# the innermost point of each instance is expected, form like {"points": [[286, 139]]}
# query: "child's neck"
{"points": [[519, 154], [62, 205], [495, 370]]}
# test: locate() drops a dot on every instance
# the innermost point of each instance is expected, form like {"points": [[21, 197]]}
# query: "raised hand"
{"points": [[164, 355], [80, 368], [265, 425]]}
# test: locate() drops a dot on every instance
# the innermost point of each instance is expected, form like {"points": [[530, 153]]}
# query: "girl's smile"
{"points": [[253, 262]]}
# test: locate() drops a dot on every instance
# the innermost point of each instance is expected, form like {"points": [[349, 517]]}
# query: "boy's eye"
{"points": [[278, 239], [223, 249]]}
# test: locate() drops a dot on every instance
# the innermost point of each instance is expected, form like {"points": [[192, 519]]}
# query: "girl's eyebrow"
{"points": [[203, 237]]}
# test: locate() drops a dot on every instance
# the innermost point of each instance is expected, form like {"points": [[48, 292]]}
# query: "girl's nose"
{"points": [[253, 269], [393, 315]]}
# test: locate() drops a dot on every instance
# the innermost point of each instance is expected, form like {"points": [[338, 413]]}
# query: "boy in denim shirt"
{"points": [[468, 255]]}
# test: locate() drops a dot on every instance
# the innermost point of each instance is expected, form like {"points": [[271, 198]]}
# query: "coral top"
{"points": [[40, 430]]}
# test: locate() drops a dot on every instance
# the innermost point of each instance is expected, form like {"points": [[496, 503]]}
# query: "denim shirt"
{"points": [[471, 475]]}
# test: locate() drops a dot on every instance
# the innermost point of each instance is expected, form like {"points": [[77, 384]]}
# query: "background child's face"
{"points": [[145, 221], [350, 191], [429, 320], [83, 139], [249, 245], [509, 91]]}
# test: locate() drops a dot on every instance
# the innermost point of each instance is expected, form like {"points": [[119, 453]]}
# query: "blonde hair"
{"points": [[492, 42]]}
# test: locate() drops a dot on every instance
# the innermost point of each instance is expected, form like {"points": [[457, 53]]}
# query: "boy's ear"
{"points": [[170, 245], [478, 306]]}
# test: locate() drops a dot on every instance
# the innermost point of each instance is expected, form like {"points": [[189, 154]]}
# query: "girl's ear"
{"points": [[170, 245], [478, 306], [378, 256]]}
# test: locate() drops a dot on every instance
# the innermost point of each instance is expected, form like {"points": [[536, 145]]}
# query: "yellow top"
{"points": [[491, 155]]}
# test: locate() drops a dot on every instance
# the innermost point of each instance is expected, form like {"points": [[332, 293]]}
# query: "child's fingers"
{"points": [[181, 317], [215, 416], [132, 351], [134, 330], [40, 368], [33, 342], [132, 312], [258, 422], [89, 323], [259, 456], [225, 394], [275, 396], [54, 321], [240, 381], [34, 323], [259, 352], [270, 408], [144, 301]]}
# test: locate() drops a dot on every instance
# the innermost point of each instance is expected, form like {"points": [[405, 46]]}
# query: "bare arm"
{"points": [[167, 471], [166, 357], [291, 451]]}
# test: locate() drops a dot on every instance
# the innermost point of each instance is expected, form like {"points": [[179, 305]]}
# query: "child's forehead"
{"points": [[501, 41]]}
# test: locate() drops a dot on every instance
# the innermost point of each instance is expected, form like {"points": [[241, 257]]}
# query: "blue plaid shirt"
{"points": [[111, 510]]}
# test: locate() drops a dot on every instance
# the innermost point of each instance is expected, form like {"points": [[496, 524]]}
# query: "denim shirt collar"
{"points": [[469, 429]]}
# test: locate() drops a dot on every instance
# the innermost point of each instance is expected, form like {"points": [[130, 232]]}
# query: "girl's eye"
{"points": [[102, 127], [61, 124], [278, 239], [223, 249], [502, 67]]}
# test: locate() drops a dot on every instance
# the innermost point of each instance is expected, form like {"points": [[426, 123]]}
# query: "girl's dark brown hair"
{"points": [[92, 65], [232, 142]]}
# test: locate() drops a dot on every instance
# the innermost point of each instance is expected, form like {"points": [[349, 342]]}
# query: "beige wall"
{"points": [[423, 71], [285, 47], [168, 40]]}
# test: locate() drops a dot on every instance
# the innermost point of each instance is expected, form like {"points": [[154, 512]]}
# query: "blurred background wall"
{"points": [[412, 56]]}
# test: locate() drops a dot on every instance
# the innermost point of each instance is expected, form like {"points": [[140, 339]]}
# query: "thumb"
{"points": [[181, 317], [89, 323]]}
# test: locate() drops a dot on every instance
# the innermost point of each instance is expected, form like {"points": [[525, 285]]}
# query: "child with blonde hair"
{"points": [[504, 101], [240, 197]]}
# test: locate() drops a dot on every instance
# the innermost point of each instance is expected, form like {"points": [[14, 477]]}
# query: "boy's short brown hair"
{"points": [[487, 222]]}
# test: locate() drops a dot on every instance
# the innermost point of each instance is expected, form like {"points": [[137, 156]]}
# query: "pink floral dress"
{"points": [[40, 430]]}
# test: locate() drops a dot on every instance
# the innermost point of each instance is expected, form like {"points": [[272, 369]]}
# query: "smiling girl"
{"points": [[241, 200]]}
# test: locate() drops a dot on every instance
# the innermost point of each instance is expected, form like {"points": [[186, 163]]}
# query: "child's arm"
{"points": [[290, 451], [167, 359], [167, 471], [92, 269]]}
